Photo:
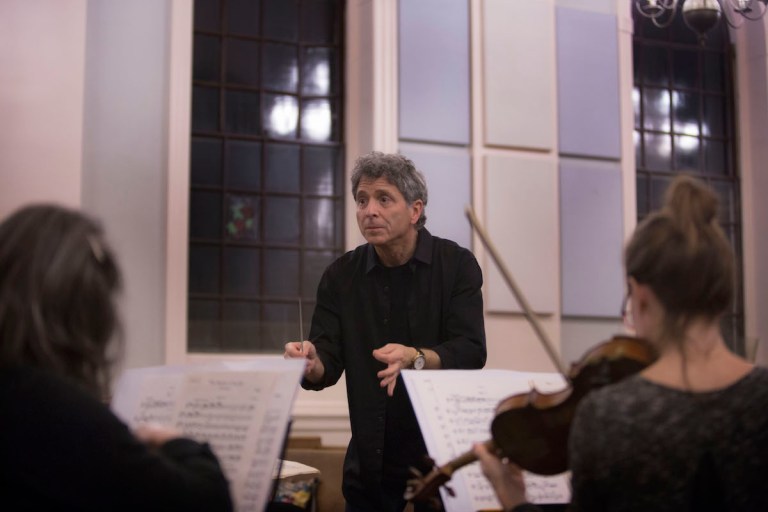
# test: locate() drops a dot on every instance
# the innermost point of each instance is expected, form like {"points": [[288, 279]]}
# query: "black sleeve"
{"points": [[464, 347], [71, 452]]}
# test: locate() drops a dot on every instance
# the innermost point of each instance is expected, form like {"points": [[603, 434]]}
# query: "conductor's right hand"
{"points": [[314, 369]]}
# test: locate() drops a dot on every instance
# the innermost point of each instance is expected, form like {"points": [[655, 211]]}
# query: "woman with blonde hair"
{"points": [[690, 432]]}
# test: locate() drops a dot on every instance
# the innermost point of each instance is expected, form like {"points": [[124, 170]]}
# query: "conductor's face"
{"points": [[383, 215]]}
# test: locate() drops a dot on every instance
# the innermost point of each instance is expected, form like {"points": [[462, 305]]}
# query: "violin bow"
{"points": [[527, 310]]}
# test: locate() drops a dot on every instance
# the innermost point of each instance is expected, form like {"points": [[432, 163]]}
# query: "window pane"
{"points": [[315, 263], [318, 223], [242, 62], [714, 116], [282, 168], [281, 220], [715, 157], [242, 217], [244, 164], [281, 273], [685, 69], [281, 67], [205, 109], [659, 185], [317, 120], [243, 17], [655, 66], [686, 112], [319, 21], [203, 330], [322, 165], [714, 77], [204, 214], [203, 269], [205, 161], [725, 192], [637, 139], [319, 73], [656, 108], [636, 106], [687, 157], [643, 196], [280, 116], [281, 324], [243, 112], [241, 327], [281, 19], [241, 271], [658, 152], [207, 15], [206, 60]]}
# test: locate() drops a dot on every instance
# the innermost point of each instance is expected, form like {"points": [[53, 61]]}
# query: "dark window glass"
{"points": [[205, 214], [241, 271], [207, 15], [242, 62], [206, 58], [281, 274], [243, 112], [282, 168], [205, 109], [203, 269], [281, 19], [319, 21], [244, 164], [205, 166], [204, 324], [266, 168], [281, 67], [243, 17], [241, 326]]}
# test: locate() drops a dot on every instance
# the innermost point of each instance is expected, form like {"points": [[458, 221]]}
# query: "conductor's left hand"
{"points": [[396, 357]]}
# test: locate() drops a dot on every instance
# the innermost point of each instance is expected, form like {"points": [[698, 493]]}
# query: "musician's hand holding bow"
{"points": [[505, 477], [314, 370]]}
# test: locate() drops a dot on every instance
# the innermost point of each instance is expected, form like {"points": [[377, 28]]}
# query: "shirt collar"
{"points": [[423, 252]]}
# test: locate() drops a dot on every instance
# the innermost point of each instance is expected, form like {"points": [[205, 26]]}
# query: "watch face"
{"points": [[418, 363]]}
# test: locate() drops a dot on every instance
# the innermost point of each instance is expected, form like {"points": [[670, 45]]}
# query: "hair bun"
{"points": [[691, 201]]}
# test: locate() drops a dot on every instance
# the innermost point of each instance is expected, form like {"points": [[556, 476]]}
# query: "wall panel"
{"points": [[518, 60]]}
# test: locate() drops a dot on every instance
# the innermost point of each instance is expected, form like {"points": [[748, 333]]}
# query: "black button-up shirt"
{"points": [[352, 318]]}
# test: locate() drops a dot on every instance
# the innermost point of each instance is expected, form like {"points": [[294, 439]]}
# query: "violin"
{"points": [[531, 429]]}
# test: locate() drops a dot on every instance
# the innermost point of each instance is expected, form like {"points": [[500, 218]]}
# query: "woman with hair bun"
{"points": [[61, 448], [689, 432]]}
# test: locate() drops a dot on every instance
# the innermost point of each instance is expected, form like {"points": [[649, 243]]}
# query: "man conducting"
{"points": [[405, 299]]}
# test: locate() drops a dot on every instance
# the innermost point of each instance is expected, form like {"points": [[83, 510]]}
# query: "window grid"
{"points": [[254, 250], [671, 66]]}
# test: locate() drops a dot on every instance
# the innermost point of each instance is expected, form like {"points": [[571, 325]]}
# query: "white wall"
{"points": [[42, 62]]}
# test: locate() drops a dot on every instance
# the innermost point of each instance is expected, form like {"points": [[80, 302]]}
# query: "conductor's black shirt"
{"points": [[358, 311]]}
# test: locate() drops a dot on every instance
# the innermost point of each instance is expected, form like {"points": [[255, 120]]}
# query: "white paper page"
{"points": [[241, 409], [455, 409]]}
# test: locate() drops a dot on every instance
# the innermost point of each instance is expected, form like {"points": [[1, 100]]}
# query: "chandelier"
{"points": [[702, 15]]}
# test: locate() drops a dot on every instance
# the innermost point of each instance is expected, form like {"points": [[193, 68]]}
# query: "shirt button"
{"points": [[378, 451], [386, 289], [386, 320]]}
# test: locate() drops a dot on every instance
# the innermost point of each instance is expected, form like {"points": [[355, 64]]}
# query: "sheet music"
{"points": [[240, 408], [455, 408]]}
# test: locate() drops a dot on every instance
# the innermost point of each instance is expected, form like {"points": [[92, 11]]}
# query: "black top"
{"points": [[62, 449], [353, 317]]}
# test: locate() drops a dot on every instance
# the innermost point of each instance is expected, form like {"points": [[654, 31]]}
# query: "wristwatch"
{"points": [[419, 361]]}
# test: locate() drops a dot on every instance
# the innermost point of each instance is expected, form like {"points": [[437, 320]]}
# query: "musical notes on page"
{"points": [[241, 409], [455, 409]]}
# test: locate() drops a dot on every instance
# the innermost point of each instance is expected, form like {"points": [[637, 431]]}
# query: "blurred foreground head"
{"points": [[58, 285]]}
